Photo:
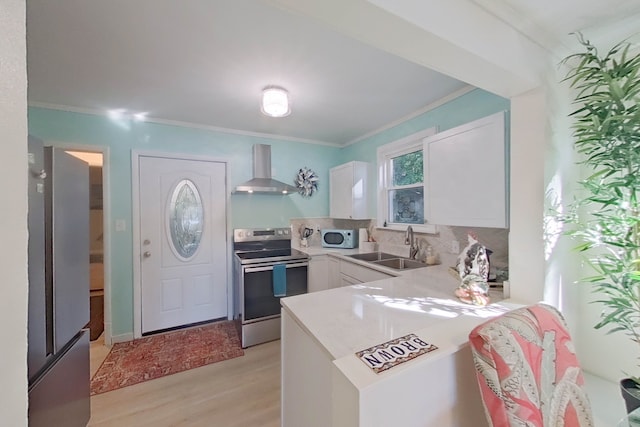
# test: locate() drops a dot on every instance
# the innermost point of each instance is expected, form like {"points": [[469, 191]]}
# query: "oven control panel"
{"points": [[259, 234]]}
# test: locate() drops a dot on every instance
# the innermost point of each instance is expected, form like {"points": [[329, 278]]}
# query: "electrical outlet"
{"points": [[455, 247]]}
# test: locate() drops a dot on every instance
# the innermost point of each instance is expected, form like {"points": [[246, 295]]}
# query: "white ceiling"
{"points": [[550, 22], [205, 62]]}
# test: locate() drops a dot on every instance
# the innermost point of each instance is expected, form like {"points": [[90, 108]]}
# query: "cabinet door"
{"points": [[348, 190], [318, 273], [340, 184], [466, 175], [334, 273]]}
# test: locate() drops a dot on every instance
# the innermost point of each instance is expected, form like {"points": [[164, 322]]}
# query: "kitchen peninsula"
{"points": [[324, 383]]}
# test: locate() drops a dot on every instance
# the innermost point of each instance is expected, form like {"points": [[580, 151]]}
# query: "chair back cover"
{"points": [[527, 370]]}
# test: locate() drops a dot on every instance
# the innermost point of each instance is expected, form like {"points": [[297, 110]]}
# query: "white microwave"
{"points": [[339, 238]]}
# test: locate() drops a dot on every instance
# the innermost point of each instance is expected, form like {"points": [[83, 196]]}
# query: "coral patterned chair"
{"points": [[528, 371]]}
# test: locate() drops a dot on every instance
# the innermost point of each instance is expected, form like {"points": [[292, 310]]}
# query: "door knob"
{"points": [[147, 254]]}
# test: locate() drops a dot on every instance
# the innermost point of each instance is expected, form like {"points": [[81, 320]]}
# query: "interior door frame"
{"points": [[106, 224], [135, 228]]}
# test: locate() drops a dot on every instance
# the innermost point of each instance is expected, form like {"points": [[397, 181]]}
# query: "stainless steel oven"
{"points": [[258, 253]]}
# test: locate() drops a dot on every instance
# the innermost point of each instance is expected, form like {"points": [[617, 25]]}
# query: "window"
{"points": [[401, 192], [185, 219], [406, 189]]}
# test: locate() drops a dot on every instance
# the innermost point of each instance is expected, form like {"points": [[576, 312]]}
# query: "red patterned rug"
{"points": [[164, 354]]}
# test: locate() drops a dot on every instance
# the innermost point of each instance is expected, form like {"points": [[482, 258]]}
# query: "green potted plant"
{"points": [[605, 217]]}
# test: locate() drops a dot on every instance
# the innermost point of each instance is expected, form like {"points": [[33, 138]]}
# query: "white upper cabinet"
{"points": [[348, 190], [466, 175]]}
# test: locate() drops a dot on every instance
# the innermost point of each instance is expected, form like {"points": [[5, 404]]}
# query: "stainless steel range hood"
{"points": [[262, 183]]}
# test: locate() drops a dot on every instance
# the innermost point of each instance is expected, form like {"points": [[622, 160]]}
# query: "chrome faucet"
{"points": [[409, 240]]}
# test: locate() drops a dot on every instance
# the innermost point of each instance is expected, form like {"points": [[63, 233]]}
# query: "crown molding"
{"points": [[148, 119]]}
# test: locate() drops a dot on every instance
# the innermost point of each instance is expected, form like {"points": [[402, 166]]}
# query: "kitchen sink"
{"points": [[400, 263], [372, 256]]}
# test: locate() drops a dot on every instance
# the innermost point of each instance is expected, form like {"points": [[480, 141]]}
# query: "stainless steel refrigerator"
{"points": [[58, 352]]}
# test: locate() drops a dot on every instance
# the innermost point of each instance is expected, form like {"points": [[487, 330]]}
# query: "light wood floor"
{"points": [[98, 353], [244, 391]]}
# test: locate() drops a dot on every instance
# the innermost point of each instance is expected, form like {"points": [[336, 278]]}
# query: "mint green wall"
{"points": [[54, 126], [468, 107]]}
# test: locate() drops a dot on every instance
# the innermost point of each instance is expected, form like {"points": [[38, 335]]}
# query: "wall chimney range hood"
{"points": [[262, 183]]}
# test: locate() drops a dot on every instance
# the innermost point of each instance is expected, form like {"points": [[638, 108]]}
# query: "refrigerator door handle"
{"points": [[41, 174]]}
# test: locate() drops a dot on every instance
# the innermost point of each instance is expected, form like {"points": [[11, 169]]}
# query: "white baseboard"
{"points": [[107, 334], [122, 338]]}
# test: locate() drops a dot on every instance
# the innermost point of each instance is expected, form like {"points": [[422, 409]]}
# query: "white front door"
{"points": [[183, 245]]}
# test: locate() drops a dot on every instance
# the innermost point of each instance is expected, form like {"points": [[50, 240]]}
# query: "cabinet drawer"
{"points": [[362, 274], [348, 280]]}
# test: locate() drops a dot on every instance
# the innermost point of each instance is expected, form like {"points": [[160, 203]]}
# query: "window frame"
{"points": [[385, 154]]}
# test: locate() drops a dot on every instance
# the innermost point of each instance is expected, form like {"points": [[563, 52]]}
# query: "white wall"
{"points": [[13, 223], [608, 356], [528, 142]]}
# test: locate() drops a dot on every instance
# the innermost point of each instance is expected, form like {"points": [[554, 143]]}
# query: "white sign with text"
{"points": [[392, 353]]}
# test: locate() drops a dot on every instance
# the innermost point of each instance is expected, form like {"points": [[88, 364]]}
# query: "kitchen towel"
{"points": [[280, 280]]}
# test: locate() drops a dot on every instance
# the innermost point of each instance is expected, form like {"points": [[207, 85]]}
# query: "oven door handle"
{"points": [[270, 267]]}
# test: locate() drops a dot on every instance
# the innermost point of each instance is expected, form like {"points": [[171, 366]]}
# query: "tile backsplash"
{"points": [[496, 239], [317, 224]]}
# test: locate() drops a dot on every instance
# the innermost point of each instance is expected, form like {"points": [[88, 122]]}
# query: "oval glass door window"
{"points": [[185, 219]]}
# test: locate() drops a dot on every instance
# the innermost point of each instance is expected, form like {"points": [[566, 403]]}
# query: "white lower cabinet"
{"points": [[318, 273], [353, 273], [343, 272], [347, 280], [334, 273]]}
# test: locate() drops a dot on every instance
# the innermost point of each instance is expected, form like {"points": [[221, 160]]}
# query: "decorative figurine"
{"points": [[473, 268]]}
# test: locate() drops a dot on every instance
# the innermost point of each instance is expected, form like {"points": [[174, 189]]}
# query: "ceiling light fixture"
{"points": [[275, 102]]}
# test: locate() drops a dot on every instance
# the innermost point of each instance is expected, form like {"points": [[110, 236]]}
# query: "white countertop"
{"points": [[335, 252], [318, 250], [349, 319]]}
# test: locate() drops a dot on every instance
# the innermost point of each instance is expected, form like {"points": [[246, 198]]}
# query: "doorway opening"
{"points": [[96, 255]]}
